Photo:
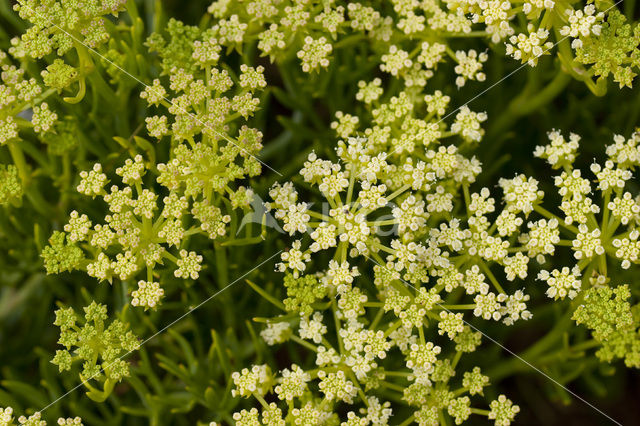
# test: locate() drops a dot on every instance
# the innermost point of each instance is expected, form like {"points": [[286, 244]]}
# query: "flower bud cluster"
{"points": [[528, 31], [6, 419], [98, 346], [56, 25]]}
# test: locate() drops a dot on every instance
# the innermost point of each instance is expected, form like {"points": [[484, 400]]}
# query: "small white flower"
{"points": [[312, 329], [562, 283], [276, 332]]}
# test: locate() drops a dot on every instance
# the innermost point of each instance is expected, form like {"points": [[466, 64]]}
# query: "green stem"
{"points": [[492, 277], [266, 295], [18, 159], [408, 421], [303, 343], [546, 213], [531, 354], [523, 105]]}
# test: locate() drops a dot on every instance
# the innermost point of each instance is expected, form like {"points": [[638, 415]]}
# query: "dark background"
{"points": [[506, 150]]}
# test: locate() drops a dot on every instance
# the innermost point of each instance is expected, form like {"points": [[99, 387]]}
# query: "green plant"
{"points": [[360, 144]]}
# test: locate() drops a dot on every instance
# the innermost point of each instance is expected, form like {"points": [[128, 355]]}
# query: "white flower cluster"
{"points": [[6, 419], [147, 295], [582, 23], [529, 47], [434, 248], [138, 233]]}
